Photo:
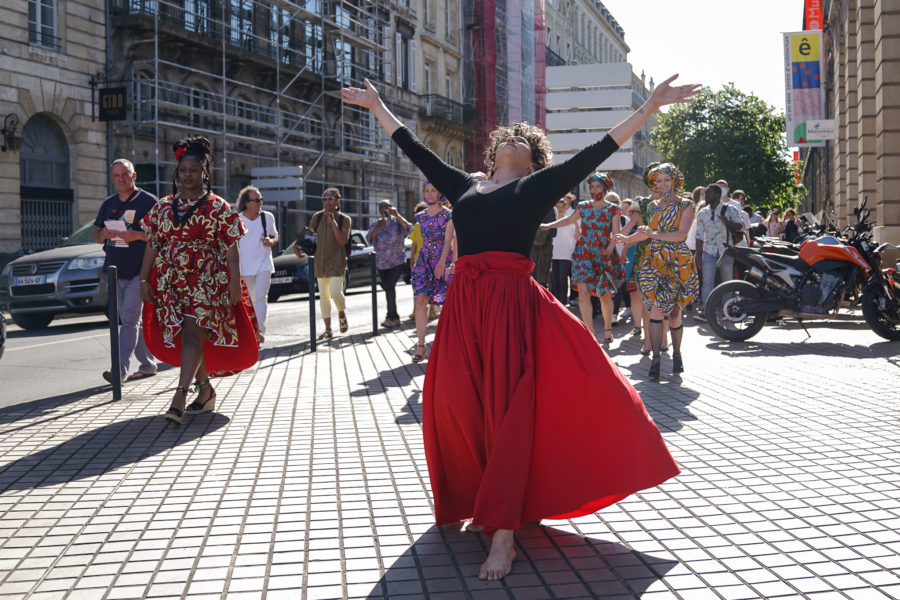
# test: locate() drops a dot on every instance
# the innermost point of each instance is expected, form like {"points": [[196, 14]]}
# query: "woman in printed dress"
{"points": [[196, 311], [596, 267], [666, 276], [430, 275]]}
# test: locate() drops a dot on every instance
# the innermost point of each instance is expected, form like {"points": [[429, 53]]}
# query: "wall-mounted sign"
{"points": [[804, 85], [112, 104]]}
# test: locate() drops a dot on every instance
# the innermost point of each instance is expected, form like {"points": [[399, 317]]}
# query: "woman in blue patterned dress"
{"points": [[666, 276], [596, 268], [430, 275]]}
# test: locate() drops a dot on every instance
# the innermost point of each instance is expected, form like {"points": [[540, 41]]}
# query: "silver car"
{"points": [[67, 279]]}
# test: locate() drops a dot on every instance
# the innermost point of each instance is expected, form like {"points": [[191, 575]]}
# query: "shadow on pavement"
{"points": [[884, 349], [550, 563], [38, 408], [104, 449]]}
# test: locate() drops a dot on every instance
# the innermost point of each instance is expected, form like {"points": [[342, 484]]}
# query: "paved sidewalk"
{"points": [[310, 483]]}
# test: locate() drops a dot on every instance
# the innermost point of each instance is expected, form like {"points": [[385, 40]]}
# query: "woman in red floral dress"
{"points": [[596, 268], [196, 312]]}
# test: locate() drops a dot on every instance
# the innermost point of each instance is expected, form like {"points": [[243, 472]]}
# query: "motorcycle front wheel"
{"points": [[878, 316], [725, 314]]}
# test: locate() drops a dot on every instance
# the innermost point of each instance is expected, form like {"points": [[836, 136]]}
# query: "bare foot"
{"points": [[474, 528], [500, 559]]}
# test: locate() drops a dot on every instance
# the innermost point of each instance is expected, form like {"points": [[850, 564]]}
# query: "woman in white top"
{"points": [[563, 247], [256, 250]]}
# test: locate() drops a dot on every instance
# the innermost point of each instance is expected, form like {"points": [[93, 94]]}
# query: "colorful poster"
{"points": [[804, 85]]}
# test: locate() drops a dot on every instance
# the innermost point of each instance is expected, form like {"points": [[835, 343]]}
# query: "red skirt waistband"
{"points": [[512, 263]]}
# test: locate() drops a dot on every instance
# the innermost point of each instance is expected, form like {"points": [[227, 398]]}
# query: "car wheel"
{"points": [[32, 320]]}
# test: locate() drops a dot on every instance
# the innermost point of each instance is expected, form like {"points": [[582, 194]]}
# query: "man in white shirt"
{"points": [[563, 247], [256, 251]]}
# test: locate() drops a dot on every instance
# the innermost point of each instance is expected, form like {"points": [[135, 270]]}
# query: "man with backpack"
{"points": [[717, 222]]}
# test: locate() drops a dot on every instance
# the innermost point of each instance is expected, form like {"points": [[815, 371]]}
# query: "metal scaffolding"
{"points": [[261, 79]]}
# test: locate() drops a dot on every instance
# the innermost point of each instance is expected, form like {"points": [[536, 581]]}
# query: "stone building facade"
{"points": [[862, 57], [443, 120], [56, 180], [583, 32]]}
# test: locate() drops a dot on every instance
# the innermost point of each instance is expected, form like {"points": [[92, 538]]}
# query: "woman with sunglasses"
{"points": [[507, 440], [255, 247]]}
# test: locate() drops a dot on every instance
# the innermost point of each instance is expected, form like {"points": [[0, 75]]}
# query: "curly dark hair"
{"points": [[199, 147], [541, 154]]}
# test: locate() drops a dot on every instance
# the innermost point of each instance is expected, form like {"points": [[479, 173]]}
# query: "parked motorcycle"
{"points": [[811, 285]]}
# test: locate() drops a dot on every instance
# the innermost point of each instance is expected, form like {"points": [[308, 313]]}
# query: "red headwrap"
{"points": [[179, 152]]}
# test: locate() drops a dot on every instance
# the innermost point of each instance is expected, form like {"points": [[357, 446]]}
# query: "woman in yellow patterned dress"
{"points": [[666, 276]]}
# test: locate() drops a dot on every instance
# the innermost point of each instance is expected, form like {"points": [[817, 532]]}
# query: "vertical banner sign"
{"points": [[804, 86], [796, 167], [812, 15]]}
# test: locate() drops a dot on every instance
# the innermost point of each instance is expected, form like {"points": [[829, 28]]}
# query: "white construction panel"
{"points": [[283, 195], [279, 183], [588, 75], [291, 171], [562, 142], [602, 98], [620, 161], [586, 119]]}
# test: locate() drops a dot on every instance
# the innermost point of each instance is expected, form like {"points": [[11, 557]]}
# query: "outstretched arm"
{"points": [[449, 181], [556, 180]]}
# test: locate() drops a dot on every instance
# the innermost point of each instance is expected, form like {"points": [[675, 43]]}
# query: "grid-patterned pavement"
{"points": [[310, 483]]}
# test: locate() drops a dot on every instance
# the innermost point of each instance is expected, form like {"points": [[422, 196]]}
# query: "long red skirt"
{"points": [[220, 360], [524, 415]]}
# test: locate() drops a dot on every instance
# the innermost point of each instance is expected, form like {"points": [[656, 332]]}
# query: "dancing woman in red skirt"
{"points": [[508, 440]]}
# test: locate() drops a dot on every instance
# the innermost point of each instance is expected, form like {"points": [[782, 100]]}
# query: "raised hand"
{"points": [[667, 94], [367, 97]]}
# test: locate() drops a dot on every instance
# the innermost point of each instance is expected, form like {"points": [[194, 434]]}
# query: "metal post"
{"points": [[374, 294], [311, 288], [113, 310]]}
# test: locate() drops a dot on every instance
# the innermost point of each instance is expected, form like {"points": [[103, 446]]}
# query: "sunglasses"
{"points": [[255, 199]]}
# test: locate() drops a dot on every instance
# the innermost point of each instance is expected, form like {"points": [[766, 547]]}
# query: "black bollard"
{"points": [[113, 310], [374, 273], [311, 288]]}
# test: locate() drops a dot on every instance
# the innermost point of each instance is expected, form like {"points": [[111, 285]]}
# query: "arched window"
{"points": [[44, 179]]}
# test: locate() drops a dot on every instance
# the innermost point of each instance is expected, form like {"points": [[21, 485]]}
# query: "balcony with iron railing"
{"points": [[439, 107], [554, 59]]}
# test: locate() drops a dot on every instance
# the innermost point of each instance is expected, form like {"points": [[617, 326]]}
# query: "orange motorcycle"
{"points": [[811, 285]]}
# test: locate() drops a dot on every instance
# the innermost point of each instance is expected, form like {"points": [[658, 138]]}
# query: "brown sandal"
{"points": [[419, 356], [342, 321], [325, 336]]}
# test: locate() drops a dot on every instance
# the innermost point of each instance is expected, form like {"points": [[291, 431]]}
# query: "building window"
{"points": [[426, 12], [313, 47], [196, 16], [240, 21], [46, 196], [427, 81], [42, 23]]}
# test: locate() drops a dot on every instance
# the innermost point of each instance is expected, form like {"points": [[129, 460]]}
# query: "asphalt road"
{"points": [[68, 357]]}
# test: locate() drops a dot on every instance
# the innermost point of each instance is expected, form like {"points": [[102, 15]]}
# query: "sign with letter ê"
{"points": [[804, 86], [112, 104]]}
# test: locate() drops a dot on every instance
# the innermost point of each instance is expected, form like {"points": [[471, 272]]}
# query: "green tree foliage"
{"points": [[733, 136]]}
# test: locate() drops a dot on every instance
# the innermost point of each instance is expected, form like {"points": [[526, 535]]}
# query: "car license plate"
{"points": [[280, 280], [31, 280]]}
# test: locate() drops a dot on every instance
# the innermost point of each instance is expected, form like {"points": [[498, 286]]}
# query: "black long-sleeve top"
{"points": [[507, 217]]}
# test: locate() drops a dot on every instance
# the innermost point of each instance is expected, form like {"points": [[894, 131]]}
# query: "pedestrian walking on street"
{"points": [[332, 229], [791, 227], [715, 223], [255, 247], [563, 248], [666, 275], [431, 274], [507, 440], [386, 235], [197, 312], [596, 268], [118, 228]]}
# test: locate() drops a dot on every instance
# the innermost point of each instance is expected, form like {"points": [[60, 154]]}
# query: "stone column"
{"points": [[886, 17], [865, 103]]}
